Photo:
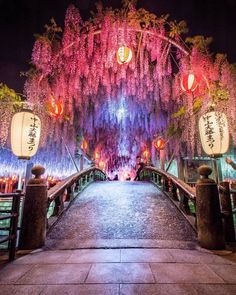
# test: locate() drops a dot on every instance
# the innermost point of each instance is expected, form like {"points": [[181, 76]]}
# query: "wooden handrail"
{"points": [[181, 193], [10, 195], [63, 193], [177, 190], [60, 187], [13, 216], [5, 217], [180, 184]]}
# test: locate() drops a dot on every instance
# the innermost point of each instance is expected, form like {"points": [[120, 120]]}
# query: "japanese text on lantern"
{"points": [[221, 123], [34, 126], [209, 130]]}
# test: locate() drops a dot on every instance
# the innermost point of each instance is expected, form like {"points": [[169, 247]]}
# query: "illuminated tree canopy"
{"points": [[120, 108]]}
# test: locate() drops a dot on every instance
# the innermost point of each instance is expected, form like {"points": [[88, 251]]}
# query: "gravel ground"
{"points": [[107, 213]]}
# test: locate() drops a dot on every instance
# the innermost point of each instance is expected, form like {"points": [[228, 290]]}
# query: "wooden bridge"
{"points": [[111, 237]]}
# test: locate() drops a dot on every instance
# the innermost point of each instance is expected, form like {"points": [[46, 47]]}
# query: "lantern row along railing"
{"points": [[180, 193], [62, 194], [9, 221]]}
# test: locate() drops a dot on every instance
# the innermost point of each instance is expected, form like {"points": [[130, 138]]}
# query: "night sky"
{"points": [[21, 19]]}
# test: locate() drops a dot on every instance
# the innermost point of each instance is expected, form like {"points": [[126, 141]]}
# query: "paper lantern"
{"points": [[124, 55], [55, 108], [84, 145], [189, 83], [96, 155], [159, 144], [25, 134], [146, 154], [214, 133], [102, 165]]}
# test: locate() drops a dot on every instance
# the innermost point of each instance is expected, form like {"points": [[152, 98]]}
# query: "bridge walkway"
{"points": [[121, 214], [121, 239]]}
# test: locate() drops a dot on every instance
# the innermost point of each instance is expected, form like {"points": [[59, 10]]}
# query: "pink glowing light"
{"points": [[124, 55], [189, 83], [118, 107]]}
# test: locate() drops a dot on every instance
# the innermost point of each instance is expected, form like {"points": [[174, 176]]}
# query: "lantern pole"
{"points": [[23, 174], [82, 160], [162, 159], [69, 153], [19, 186], [170, 162], [216, 171]]}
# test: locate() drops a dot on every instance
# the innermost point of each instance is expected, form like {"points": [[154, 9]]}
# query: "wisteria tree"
{"points": [[81, 90]]}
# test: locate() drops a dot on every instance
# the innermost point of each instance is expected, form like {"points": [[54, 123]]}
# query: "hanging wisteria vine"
{"points": [[120, 107]]}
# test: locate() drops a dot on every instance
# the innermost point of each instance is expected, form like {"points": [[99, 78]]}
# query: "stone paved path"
{"points": [[121, 214], [120, 271]]}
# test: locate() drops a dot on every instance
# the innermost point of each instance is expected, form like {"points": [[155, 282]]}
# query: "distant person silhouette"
{"points": [[141, 166], [128, 178], [116, 177]]}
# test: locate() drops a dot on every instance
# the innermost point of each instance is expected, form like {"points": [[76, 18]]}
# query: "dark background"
{"points": [[21, 19]]}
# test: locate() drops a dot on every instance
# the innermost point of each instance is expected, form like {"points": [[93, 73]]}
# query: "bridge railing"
{"points": [[233, 195], [9, 221], [228, 210], [182, 194], [62, 194], [59, 198]]}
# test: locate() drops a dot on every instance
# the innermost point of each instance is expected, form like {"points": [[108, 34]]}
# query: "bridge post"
{"points": [[81, 162], [209, 220], [174, 192], [166, 186], [162, 159], [34, 219], [184, 204], [226, 206]]}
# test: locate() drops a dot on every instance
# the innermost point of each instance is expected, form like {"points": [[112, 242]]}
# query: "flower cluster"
{"points": [[83, 72]]}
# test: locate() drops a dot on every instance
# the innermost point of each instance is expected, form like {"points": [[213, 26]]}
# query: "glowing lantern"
{"points": [[96, 156], [189, 83], [159, 144], [214, 133], [55, 108], [146, 154], [102, 165], [25, 134], [124, 55], [84, 145]]}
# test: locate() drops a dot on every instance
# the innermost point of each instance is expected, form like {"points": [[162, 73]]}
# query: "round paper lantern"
{"points": [[55, 108], [124, 55], [159, 143], [25, 134], [189, 83], [84, 145], [146, 154], [214, 133], [102, 165]]}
